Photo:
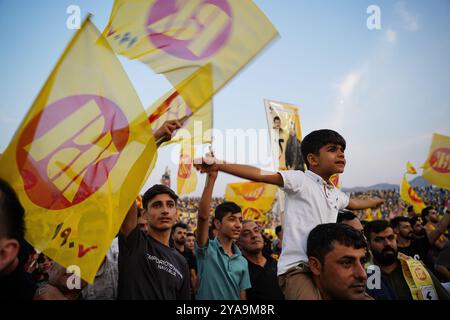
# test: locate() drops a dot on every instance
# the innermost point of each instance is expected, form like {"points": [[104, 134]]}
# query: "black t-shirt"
{"points": [[17, 285], [264, 281], [149, 270], [190, 258], [418, 248]]}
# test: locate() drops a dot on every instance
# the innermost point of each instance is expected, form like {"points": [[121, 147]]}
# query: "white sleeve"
{"points": [[343, 200], [292, 180]]}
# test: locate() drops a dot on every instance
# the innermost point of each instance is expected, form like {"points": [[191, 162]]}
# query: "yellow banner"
{"points": [[178, 37], [285, 135], [408, 195], [436, 168], [81, 155], [254, 198], [187, 177], [410, 168]]}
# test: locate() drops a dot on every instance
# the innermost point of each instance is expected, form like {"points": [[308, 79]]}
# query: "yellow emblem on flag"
{"points": [[81, 155], [436, 168], [410, 168], [408, 195], [187, 177], [254, 198]]}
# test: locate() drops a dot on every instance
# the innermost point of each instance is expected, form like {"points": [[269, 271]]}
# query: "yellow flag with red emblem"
{"points": [[81, 155], [436, 169], [408, 195], [176, 37], [254, 198], [410, 168], [187, 177]]}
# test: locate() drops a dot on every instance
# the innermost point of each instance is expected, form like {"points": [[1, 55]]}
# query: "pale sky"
{"points": [[386, 91]]}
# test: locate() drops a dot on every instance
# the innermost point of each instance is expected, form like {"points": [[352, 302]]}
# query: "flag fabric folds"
{"points": [[408, 195], [187, 177], [436, 168], [81, 155], [254, 198]]}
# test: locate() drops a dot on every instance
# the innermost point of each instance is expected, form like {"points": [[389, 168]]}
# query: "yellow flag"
{"points": [[368, 216], [379, 214], [410, 196], [410, 168], [187, 177], [436, 168], [254, 198], [334, 179], [81, 155], [177, 37]]}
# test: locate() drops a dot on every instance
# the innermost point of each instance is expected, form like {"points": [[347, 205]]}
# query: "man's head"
{"points": [[179, 231], [349, 218], [417, 226], [324, 150], [160, 202], [402, 228], [382, 242], [228, 220], [190, 241], [279, 232], [12, 226], [250, 239], [276, 122], [430, 214], [336, 254]]}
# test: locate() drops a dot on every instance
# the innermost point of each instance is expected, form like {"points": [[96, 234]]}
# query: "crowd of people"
{"points": [[323, 251]]}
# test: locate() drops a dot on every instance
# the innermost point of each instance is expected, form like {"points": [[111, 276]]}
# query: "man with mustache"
{"points": [[262, 268], [395, 283]]}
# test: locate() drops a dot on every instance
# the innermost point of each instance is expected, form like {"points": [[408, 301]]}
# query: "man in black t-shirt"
{"points": [[148, 268], [262, 268]]}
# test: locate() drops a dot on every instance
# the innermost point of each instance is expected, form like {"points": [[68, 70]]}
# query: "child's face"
{"points": [[331, 159]]}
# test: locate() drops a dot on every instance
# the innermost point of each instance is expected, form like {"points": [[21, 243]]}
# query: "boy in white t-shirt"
{"points": [[311, 199]]}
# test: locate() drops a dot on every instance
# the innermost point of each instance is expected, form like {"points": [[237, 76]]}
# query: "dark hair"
{"points": [[278, 229], [425, 212], [345, 215], [321, 238], [190, 234], [276, 118], [156, 190], [12, 225], [410, 208], [413, 220], [396, 221], [224, 208], [375, 227], [179, 225], [317, 139]]}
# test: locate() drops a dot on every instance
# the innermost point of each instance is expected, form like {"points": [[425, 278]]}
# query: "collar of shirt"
{"points": [[234, 248], [318, 179]]}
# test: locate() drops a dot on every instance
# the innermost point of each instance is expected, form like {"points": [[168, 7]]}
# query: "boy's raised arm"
{"points": [[359, 204], [130, 221], [203, 210]]}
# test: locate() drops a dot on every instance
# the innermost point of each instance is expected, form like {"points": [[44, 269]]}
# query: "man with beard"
{"points": [[262, 268], [417, 248], [397, 281]]}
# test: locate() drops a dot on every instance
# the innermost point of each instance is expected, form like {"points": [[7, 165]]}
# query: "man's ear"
{"points": [[315, 266], [313, 159], [217, 224], [9, 249]]}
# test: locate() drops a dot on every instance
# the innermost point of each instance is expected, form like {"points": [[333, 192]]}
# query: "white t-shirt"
{"points": [[310, 201]]}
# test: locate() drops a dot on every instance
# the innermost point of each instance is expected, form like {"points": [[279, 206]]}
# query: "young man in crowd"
{"points": [[397, 282], [222, 270], [262, 268], [349, 218], [311, 199], [15, 283], [148, 268], [190, 242], [278, 243]]}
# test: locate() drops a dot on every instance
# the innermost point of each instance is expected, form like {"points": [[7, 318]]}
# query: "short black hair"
{"points": [[224, 208], [396, 221], [12, 225], [425, 212], [317, 139], [321, 238], [276, 118], [375, 226], [156, 190], [278, 229], [190, 234], [345, 215], [179, 225]]}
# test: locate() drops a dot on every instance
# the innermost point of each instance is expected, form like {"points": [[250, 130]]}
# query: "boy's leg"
{"points": [[297, 284]]}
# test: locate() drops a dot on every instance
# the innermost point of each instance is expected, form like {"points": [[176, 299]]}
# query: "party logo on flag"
{"points": [[189, 29], [254, 194], [185, 168], [61, 164], [440, 160]]}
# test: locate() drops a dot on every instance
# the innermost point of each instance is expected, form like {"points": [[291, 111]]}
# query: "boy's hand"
{"points": [[164, 133], [377, 202], [207, 164]]}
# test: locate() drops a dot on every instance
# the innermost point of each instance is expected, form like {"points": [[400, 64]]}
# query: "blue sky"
{"points": [[386, 91]]}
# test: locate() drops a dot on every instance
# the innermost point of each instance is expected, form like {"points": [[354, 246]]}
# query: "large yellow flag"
{"points": [[176, 37], [81, 155], [254, 198], [187, 177], [436, 168], [410, 168], [410, 196]]}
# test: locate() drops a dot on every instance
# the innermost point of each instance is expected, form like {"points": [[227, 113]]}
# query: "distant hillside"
{"points": [[417, 182]]}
